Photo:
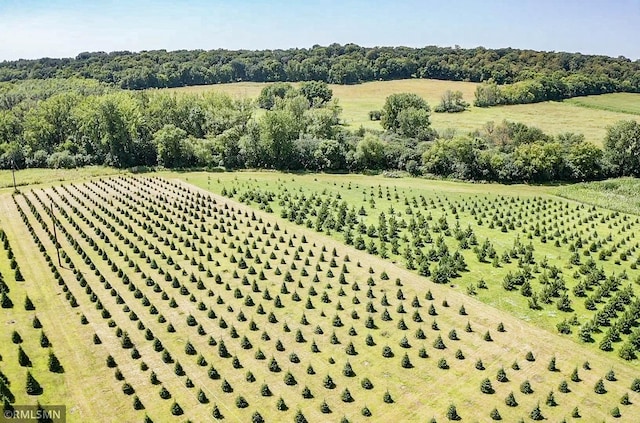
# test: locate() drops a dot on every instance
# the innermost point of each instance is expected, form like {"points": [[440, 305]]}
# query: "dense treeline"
{"points": [[549, 87], [26, 94], [299, 130], [342, 64]]}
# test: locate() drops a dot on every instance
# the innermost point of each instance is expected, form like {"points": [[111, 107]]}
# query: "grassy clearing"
{"points": [[617, 102], [621, 194], [26, 177], [134, 244], [358, 100]]}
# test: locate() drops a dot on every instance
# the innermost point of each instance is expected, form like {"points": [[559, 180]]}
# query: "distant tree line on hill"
{"points": [[553, 87], [543, 75], [300, 129]]}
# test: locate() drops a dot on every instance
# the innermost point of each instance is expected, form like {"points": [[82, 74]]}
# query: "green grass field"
{"points": [[26, 177], [164, 261], [618, 102], [551, 117], [621, 194]]}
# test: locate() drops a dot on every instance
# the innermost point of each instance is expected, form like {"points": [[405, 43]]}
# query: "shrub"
{"points": [[551, 400], [439, 344], [299, 418], [111, 362], [486, 387], [324, 408], [28, 304], [564, 387], [273, 365], [306, 393], [510, 400], [216, 414], [241, 402], [575, 377], [32, 385], [387, 352], [213, 373], [5, 301], [525, 387], [265, 391], [189, 349], [346, 396], [226, 386], [536, 414], [54, 363], [281, 405], [387, 398], [501, 376], [328, 382], [615, 412], [351, 350], [625, 399], [289, 379], [452, 413], [404, 342], [348, 370], [164, 393], [128, 389], [406, 363]]}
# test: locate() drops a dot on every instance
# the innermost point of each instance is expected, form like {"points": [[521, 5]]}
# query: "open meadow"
{"points": [[617, 102], [241, 296], [621, 194], [552, 117]]}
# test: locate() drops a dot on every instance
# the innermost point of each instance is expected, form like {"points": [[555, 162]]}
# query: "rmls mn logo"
{"points": [[34, 413]]}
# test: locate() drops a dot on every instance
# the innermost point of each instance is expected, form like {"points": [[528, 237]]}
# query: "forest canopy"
{"points": [[557, 74]]}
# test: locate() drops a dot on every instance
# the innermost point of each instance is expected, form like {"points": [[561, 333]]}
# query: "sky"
{"points": [[63, 28]]}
